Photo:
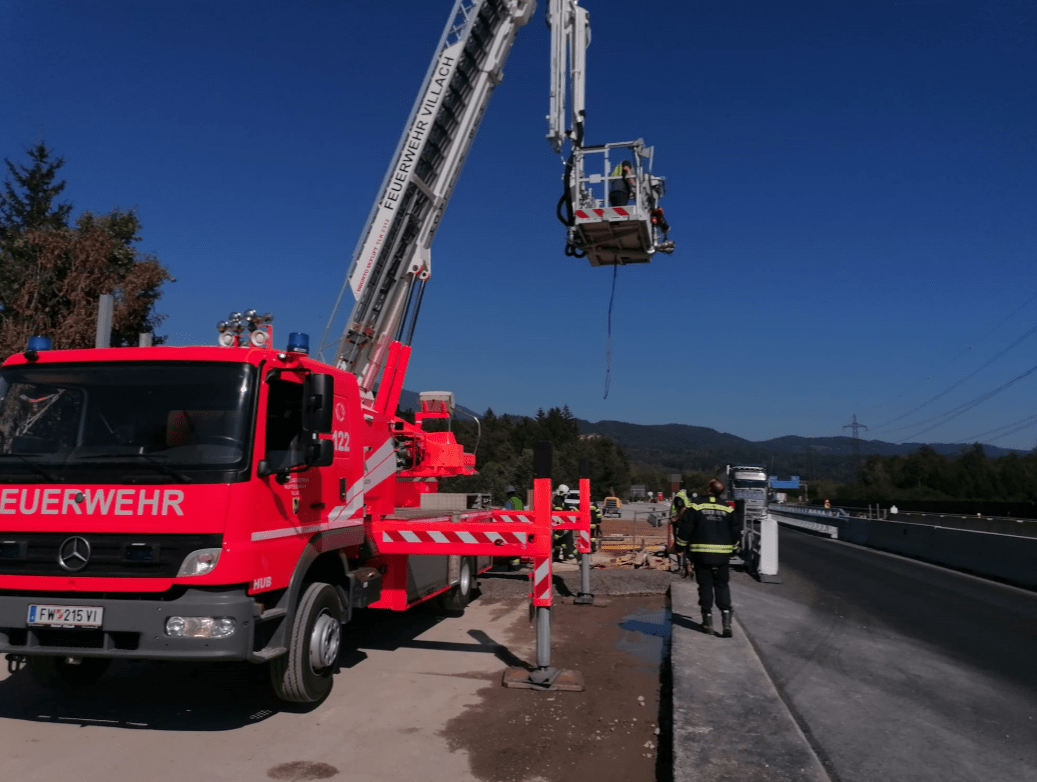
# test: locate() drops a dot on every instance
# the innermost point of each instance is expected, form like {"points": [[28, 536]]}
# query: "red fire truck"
{"points": [[213, 503], [239, 502]]}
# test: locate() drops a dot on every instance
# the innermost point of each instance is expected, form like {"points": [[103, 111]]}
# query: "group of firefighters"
{"points": [[704, 529], [563, 544]]}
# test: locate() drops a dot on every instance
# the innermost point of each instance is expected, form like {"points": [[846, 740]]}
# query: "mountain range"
{"points": [[686, 448], [683, 448]]}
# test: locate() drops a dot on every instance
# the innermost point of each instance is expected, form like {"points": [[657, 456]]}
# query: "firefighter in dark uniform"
{"points": [[678, 509], [563, 539], [595, 526], [713, 537]]}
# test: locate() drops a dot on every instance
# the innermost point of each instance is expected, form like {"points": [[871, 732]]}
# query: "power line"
{"points": [[958, 383], [950, 361], [950, 415], [1012, 428]]}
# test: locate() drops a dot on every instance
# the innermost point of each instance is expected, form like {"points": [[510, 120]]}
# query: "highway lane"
{"points": [[895, 669]]}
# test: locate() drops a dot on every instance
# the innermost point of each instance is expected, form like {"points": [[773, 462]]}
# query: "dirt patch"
{"points": [[609, 731]]}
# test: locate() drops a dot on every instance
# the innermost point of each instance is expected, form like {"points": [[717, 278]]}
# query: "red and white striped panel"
{"points": [[525, 518], [435, 536], [585, 541], [542, 582], [610, 213]]}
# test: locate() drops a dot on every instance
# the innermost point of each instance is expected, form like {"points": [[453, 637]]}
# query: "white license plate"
{"points": [[64, 616]]}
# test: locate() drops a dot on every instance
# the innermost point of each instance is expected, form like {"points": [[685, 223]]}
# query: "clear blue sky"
{"points": [[852, 188]]}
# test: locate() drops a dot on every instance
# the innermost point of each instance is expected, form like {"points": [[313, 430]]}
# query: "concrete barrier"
{"points": [[1007, 558]]}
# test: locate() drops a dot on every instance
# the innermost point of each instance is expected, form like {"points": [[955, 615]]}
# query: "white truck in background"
{"points": [[747, 486]]}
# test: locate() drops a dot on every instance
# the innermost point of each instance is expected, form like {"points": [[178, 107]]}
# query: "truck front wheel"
{"points": [[58, 672], [304, 674]]}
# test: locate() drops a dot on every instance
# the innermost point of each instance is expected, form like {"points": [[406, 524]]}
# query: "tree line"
{"points": [[927, 475], [504, 448]]}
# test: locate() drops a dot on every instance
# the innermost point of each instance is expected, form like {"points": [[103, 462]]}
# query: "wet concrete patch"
{"points": [[302, 771]]}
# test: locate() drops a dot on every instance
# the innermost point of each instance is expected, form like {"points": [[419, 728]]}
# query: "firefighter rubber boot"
{"points": [[725, 620], [707, 622]]}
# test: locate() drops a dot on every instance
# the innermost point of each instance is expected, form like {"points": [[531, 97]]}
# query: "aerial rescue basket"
{"points": [[612, 205]]}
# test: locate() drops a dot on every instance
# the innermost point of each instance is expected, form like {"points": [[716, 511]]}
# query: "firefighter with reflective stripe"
{"points": [[712, 536], [514, 502], [595, 525], [562, 538]]}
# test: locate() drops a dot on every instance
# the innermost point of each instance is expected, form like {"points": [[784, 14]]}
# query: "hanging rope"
{"points": [[608, 339]]}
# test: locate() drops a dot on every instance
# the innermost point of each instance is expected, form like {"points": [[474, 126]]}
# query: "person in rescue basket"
{"points": [[514, 502], [713, 537], [622, 188]]}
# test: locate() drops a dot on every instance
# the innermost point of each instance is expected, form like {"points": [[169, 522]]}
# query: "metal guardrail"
{"points": [[809, 510], [990, 553], [827, 521]]}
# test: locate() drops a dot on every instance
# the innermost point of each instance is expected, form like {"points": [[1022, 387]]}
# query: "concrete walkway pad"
{"points": [[729, 721]]}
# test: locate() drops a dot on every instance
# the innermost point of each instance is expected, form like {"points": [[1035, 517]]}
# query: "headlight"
{"points": [[200, 562], [201, 626]]}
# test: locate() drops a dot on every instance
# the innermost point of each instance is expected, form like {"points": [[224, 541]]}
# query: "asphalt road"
{"points": [[897, 670]]}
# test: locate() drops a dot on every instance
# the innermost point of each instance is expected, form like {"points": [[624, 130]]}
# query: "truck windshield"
{"points": [[164, 420]]}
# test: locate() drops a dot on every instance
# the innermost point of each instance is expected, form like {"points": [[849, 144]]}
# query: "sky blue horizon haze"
{"points": [[851, 188]]}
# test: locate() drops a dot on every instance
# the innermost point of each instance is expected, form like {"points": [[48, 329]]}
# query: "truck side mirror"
{"points": [[320, 453], [318, 401]]}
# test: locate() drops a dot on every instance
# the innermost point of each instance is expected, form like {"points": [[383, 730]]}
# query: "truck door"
{"points": [[297, 494]]}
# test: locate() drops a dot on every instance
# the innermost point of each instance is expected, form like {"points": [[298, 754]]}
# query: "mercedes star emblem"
{"points": [[74, 554]]}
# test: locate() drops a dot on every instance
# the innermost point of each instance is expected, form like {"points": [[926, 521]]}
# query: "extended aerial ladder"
{"points": [[392, 260], [391, 265]]}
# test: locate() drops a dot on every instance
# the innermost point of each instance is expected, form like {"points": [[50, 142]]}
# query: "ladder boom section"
{"points": [[570, 36], [393, 259]]}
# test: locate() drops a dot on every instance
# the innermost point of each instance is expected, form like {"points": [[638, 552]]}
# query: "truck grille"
{"points": [[750, 494], [111, 555]]}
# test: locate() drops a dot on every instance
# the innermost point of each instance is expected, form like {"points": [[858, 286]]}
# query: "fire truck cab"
{"points": [[206, 503]]}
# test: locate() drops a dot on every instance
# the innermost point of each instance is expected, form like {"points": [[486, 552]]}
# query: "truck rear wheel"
{"points": [[457, 599], [58, 673], [304, 674]]}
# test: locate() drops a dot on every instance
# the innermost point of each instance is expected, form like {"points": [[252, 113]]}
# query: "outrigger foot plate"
{"points": [[555, 679]]}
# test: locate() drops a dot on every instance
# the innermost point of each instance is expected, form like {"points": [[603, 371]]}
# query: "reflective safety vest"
{"points": [[621, 183], [680, 502], [513, 503]]}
